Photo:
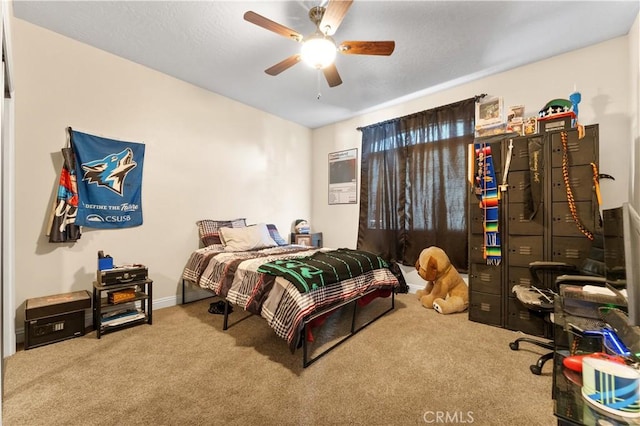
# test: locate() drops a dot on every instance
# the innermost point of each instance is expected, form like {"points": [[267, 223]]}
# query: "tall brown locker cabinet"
{"points": [[536, 183]]}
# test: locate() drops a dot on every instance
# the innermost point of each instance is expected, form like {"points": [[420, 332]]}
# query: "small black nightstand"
{"points": [[141, 301], [311, 240]]}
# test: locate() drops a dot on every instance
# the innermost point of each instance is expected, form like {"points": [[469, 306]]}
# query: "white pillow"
{"points": [[249, 238]]}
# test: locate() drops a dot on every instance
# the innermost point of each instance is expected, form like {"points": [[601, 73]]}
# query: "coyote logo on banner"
{"points": [[110, 171], [109, 181]]}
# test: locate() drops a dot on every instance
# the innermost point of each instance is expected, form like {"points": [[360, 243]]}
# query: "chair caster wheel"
{"points": [[514, 346], [535, 370]]}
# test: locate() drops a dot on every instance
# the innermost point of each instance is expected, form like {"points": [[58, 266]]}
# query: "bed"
{"points": [[292, 287]]}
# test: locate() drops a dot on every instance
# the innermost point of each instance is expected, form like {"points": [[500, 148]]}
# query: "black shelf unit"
{"points": [[550, 235], [101, 305]]}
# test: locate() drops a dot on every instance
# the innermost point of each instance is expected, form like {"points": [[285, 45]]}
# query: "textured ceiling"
{"points": [[209, 44]]}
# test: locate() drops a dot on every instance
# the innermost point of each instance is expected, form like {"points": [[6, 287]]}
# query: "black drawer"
{"points": [[485, 278], [520, 318], [580, 151], [518, 275], [580, 181], [573, 250], [519, 186], [485, 308], [520, 153], [524, 250], [563, 223], [476, 219], [476, 251], [520, 224]]}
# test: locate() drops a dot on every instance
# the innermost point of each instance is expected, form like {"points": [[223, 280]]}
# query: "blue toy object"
{"points": [[575, 99]]}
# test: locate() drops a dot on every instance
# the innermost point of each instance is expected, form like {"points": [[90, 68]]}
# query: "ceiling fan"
{"points": [[318, 48]]}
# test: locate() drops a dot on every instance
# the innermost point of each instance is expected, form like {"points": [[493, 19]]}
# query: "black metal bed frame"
{"points": [[306, 361], [184, 302]]}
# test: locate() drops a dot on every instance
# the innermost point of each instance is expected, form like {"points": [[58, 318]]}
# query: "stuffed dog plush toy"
{"points": [[446, 291]]}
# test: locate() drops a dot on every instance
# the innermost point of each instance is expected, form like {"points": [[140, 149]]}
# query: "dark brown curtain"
{"points": [[414, 189]]}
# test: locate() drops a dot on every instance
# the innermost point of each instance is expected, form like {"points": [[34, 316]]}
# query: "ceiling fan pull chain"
{"points": [[319, 95]]}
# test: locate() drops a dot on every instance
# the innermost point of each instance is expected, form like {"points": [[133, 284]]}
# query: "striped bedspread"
{"points": [[235, 276]]}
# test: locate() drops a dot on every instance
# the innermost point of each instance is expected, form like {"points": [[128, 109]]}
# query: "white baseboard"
{"points": [[167, 302], [164, 302], [413, 288]]}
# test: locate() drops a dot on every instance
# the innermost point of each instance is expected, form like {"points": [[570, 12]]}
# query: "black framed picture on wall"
{"points": [[343, 182]]}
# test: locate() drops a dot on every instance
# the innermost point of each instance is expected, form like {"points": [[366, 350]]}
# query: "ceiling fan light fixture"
{"points": [[318, 51]]}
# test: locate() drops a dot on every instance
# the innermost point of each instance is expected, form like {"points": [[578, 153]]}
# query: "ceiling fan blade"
{"points": [[283, 65], [332, 76], [384, 48], [270, 25], [333, 15]]}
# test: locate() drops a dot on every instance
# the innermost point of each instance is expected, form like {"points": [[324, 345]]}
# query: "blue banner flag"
{"points": [[109, 174]]}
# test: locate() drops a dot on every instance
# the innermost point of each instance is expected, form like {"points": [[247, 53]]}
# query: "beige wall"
{"points": [[600, 73], [206, 157], [634, 109], [204, 161]]}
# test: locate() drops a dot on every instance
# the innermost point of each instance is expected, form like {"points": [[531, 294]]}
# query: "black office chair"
{"points": [[539, 299]]}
